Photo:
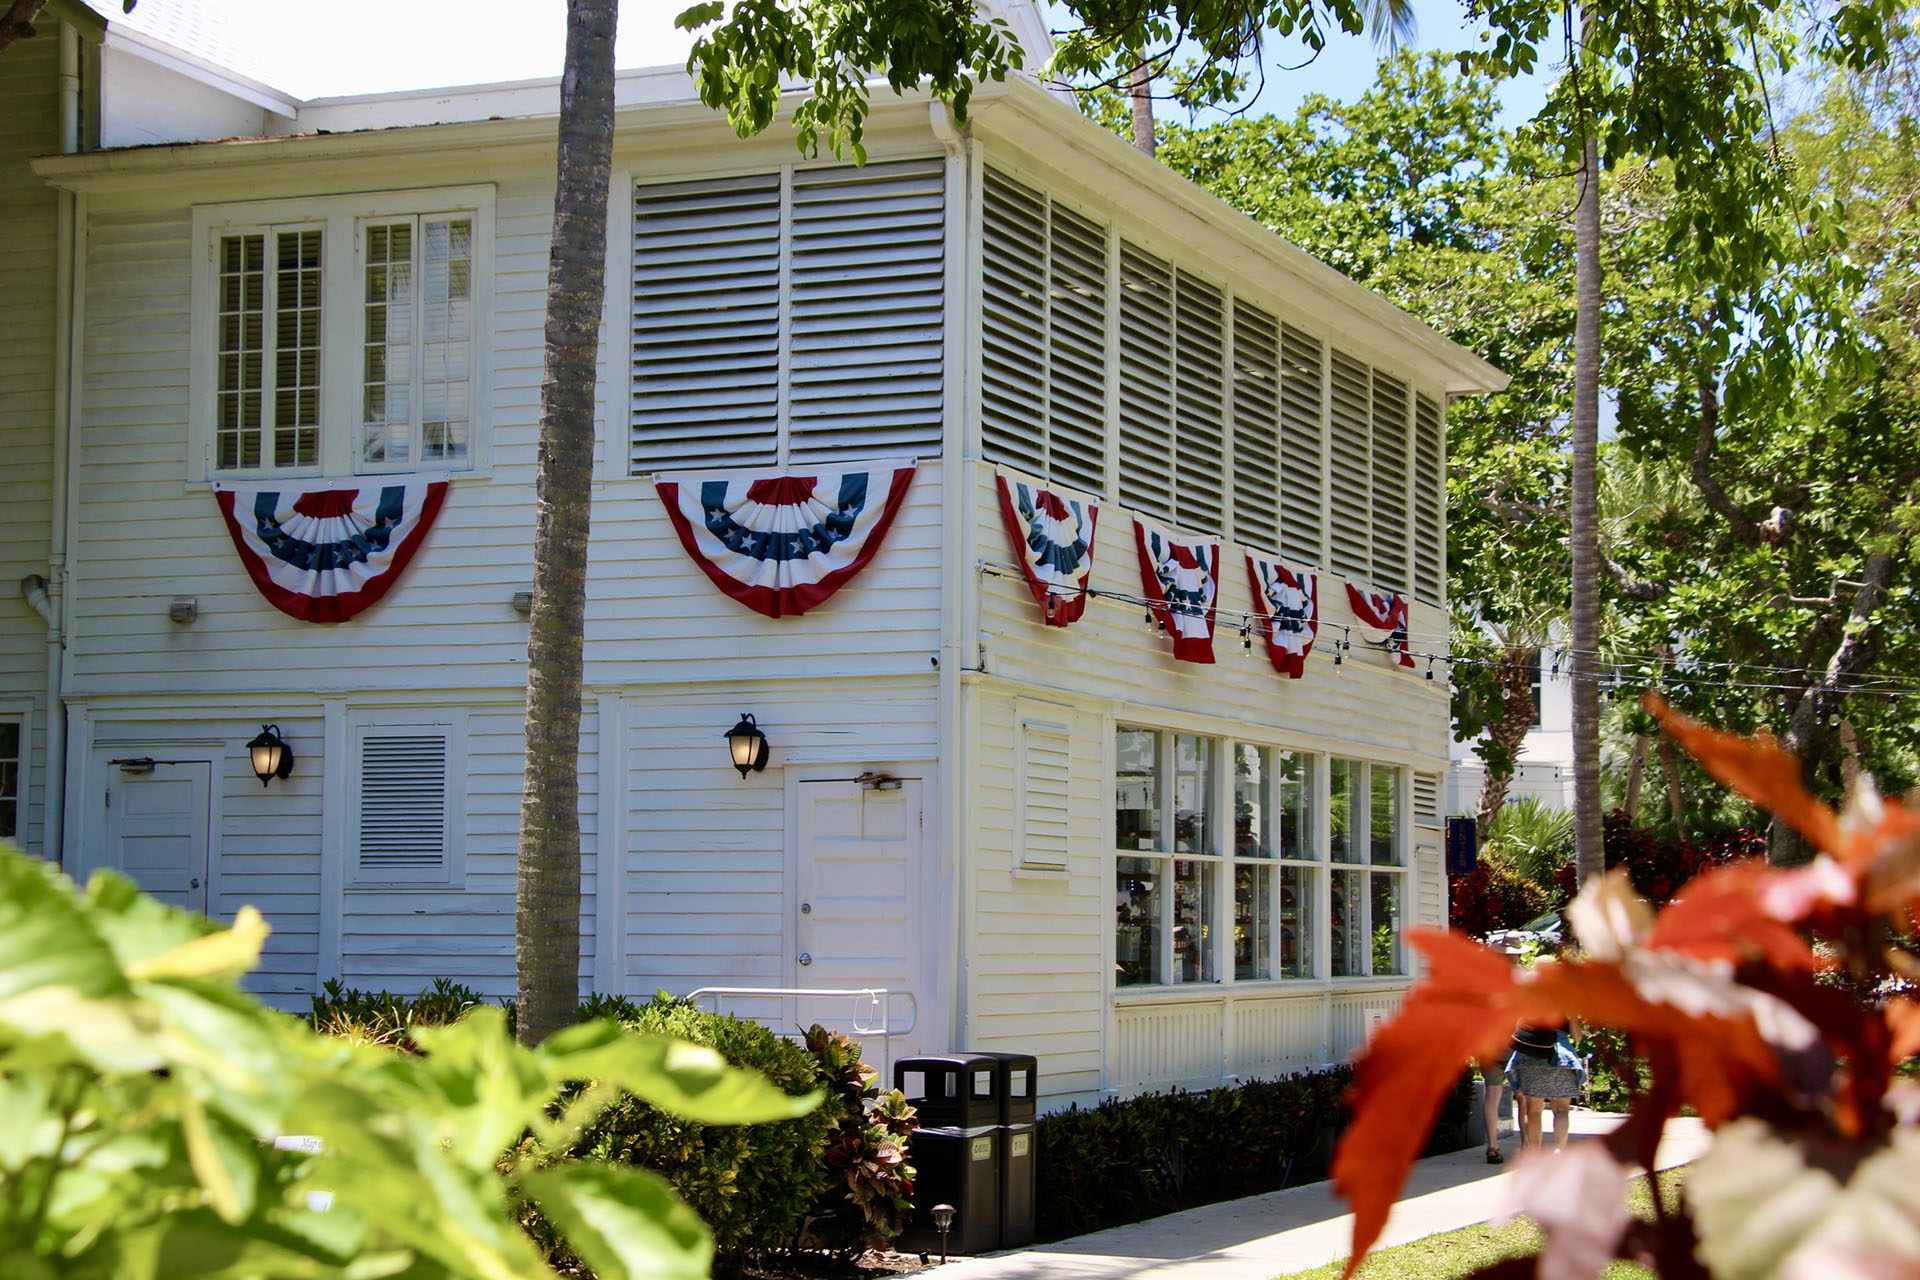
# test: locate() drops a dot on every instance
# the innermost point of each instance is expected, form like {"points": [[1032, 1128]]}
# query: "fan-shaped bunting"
{"points": [[1181, 581], [1289, 608], [1383, 619], [1052, 532]]}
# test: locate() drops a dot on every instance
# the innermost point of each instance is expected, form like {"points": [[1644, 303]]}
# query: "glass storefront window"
{"points": [[1252, 921], [1346, 809], [1384, 846], [1347, 911], [1295, 780], [1193, 920], [1137, 896], [1253, 801], [1136, 803], [1386, 921], [1193, 830], [1296, 921]]}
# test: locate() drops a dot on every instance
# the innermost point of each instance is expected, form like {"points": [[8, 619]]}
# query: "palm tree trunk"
{"points": [[1140, 90], [1676, 798], [1636, 773], [1507, 732], [1589, 852], [547, 898]]}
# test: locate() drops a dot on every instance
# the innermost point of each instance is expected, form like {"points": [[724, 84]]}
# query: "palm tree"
{"points": [[547, 896], [1589, 851]]}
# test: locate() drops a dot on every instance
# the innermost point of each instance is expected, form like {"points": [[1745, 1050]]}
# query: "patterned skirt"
{"points": [[1557, 1075]]}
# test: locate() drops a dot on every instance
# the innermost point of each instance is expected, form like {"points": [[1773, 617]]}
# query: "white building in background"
{"points": [[1545, 768], [239, 317]]}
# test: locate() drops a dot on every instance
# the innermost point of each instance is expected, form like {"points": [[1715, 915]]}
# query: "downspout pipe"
{"points": [[53, 589]]}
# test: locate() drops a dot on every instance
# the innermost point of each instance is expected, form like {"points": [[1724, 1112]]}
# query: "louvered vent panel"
{"points": [[706, 323], [1146, 383], [1426, 799], [1303, 460], [864, 360], [1200, 404], [1013, 221], [1390, 485], [403, 805], [1044, 810], [1351, 552], [1256, 427], [1077, 353], [1429, 501]]}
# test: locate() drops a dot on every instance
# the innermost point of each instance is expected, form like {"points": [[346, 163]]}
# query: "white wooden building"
{"points": [[1040, 850]]}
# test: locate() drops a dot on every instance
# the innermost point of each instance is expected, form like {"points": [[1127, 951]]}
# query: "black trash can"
{"points": [[960, 1167], [1017, 1082], [956, 1090]]}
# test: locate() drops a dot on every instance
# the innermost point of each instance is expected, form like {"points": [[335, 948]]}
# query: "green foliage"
{"points": [[1534, 839], [866, 1203], [141, 1092]]}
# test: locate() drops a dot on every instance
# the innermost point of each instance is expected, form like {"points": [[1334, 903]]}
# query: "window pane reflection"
{"points": [[1137, 939]]}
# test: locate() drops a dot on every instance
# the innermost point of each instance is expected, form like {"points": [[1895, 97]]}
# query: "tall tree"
{"points": [[547, 895], [1589, 853]]}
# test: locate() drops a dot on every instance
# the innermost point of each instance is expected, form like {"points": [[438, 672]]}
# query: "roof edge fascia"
{"points": [[161, 54]]}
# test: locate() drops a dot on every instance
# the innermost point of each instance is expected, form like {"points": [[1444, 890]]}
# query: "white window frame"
{"points": [[20, 713], [452, 724], [341, 220]]}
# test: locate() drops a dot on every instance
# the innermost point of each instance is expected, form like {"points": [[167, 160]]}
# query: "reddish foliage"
{"points": [[1717, 995]]}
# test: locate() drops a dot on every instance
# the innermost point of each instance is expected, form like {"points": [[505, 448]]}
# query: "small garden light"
{"points": [[272, 757], [943, 1222], [748, 746]]}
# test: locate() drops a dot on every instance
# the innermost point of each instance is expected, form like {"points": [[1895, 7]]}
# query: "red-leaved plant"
{"points": [[1814, 1168]]}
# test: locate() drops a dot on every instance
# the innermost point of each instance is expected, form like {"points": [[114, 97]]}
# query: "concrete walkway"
{"points": [[1285, 1231]]}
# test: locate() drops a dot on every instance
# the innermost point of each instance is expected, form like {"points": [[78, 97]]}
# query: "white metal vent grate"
{"points": [[403, 805]]}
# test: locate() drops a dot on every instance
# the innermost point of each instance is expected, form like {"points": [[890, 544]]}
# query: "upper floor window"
{"points": [[340, 335], [10, 788]]}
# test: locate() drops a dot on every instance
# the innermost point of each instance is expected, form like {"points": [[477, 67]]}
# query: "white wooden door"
{"points": [[856, 896], [157, 830]]}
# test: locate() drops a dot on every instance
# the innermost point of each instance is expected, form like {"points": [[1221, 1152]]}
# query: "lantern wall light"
{"points": [[747, 745], [272, 757]]}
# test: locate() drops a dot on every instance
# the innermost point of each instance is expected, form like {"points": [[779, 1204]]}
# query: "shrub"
{"points": [[1494, 896], [362, 1017], [866, 1201]]}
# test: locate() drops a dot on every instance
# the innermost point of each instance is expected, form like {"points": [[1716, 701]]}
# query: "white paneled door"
{"points": [[856, 895], [158, 832]]}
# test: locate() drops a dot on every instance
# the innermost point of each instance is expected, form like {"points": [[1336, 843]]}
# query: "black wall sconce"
{"points": [[272, 757], [748, 746]]}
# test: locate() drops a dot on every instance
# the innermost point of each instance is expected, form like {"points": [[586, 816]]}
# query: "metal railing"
{"points": [[871, 1013]]}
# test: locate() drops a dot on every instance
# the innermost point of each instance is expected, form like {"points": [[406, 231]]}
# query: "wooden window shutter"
{"points": [[1429, 501], [1390, 486], [1426, 799], [1256, 427], [1352, 545], [1146, 383], [403, 805], [1013, 323], [1200, 411], [706, 323], [864, 334], [1046, 763], [1077, 352], [1303, 499]]}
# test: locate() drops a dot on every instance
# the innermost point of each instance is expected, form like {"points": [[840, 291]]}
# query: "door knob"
{"points": [[193, 884], [806, 958]]}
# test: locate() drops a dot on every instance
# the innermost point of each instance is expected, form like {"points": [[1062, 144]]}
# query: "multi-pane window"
{"points": [[267, 392], [417, 341], [9, 779], [1196, 904]]}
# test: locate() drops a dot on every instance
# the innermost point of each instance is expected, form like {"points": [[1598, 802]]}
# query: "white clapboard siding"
{"points": [[1390, 483], [1429, 501], [1200, 407], [866, 254], [1147, 349], [1257, 460], [28, 207], [1303, 467], [706, 322], [1350, 494]]}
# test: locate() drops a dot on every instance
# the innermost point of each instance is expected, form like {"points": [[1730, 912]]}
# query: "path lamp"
{"points": [[943, 1222], [748, 746], [272, 757]]}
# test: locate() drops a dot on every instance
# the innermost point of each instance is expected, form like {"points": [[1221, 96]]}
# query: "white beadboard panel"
{"points": [[1353, 1016], [707, 856], [1161, 1046], [28, 210], [1270, 1038]]}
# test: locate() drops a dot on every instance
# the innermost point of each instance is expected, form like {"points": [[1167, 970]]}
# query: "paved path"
{"points": [[1271, 1235]]}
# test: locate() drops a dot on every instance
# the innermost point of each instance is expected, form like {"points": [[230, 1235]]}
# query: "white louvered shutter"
{"points": [[867, 249], [1256, 427], [1303, 467], [1077, 352], [706, 323], [1146, 383], [1426, 799], [1200, 409], [1013, 343], [402, 809], [1429, 501], [1045, 817], [1390, 484], [1351, 552]]}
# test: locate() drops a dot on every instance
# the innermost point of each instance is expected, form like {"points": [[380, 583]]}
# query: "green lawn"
{"points": [[1460, 1253]]}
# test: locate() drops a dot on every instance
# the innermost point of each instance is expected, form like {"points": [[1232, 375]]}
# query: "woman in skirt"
{"points": [[1543, 1069]]}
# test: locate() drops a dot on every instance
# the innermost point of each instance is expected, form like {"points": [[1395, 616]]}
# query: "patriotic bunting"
{"points": [[1052, 532], [781, 543], [1383, 619], [324, 555], [1289, 607], [1182, 584]]}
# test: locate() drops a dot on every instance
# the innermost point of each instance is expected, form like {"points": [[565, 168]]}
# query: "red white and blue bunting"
{"points": [[1383, 619], [1181, 580], [782, 542], [1052, 533], [1288, 605], [323, 555]]}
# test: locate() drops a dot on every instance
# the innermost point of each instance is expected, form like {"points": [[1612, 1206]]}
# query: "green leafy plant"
{"points": [[142, 1094], [867, 1203]]}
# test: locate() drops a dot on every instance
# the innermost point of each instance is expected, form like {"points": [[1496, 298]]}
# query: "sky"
{"points": [[415, 44]]}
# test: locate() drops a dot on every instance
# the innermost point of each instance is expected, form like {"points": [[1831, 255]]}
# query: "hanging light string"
{"points": [[1618, 674]]}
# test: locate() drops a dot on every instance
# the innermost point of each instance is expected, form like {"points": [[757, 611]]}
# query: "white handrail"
{"points": [[868, 1001]]}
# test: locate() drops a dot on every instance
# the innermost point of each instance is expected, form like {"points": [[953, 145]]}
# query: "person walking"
{"points": [[1543, 1071], [1493, 1085]]}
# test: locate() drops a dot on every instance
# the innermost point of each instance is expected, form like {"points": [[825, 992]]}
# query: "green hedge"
{"points": [[1134, 1158]]}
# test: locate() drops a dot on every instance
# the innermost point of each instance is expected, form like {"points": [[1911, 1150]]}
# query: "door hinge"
{"points": [[109, 797]]}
